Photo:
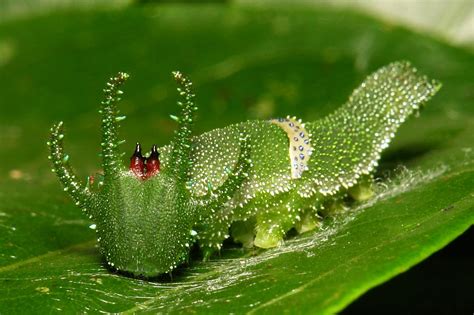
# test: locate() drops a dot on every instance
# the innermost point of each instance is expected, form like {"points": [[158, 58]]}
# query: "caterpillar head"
{"points": [[144, 215]]}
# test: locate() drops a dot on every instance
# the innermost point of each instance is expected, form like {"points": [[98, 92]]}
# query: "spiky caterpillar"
{"points": [[254, 180]]}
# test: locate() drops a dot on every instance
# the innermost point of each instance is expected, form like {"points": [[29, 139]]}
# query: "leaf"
{"points": [[13, 9], [258, 63]]}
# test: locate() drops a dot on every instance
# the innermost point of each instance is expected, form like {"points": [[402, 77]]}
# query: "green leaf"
{"points": [[246, 63], [14, 9]]}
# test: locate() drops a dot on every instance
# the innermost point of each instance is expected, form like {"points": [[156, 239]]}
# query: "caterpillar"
{"points": [[252, 181]]}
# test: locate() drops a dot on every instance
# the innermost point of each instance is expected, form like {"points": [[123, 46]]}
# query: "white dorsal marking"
{"points": [[300, 144]]}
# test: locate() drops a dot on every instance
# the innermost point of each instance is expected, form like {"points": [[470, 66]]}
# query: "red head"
{"points": [[142, 167]]}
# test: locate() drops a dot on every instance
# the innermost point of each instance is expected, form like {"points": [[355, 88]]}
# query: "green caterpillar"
{"points": [[253, 181]]}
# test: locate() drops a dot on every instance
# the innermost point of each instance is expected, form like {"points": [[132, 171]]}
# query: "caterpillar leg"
{"points": [[363, 190], [271, 229], [281, 215], [309, 220], [277, 218]]}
